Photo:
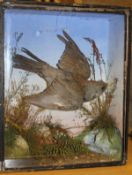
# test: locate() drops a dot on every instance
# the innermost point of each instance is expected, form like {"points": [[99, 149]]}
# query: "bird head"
{"points": [[94, 89]]}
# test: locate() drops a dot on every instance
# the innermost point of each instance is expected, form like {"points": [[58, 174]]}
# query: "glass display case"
{"points": [[64, 73]]}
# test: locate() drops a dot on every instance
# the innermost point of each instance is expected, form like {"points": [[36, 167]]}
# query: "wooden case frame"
{"points": [[16, 164]]}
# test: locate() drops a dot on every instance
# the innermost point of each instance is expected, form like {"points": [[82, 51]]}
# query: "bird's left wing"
{"points": [[72, 59]]}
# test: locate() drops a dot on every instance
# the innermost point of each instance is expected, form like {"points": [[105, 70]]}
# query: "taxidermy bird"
{"points": [[68, 86]]}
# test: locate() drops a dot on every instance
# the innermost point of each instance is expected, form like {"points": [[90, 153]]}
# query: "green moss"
{"points": [[10, 135], [64, 147]]}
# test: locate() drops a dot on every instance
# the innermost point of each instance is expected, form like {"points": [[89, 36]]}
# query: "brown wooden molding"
{"points": [[123, 3]]}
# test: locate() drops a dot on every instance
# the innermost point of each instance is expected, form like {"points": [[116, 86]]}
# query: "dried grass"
{"points": [[100, 110]]}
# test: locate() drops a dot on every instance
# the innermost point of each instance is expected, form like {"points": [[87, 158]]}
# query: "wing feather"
{"points": [[72, 59]]}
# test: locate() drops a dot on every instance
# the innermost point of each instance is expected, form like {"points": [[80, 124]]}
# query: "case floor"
{"points": [[118, 170]]}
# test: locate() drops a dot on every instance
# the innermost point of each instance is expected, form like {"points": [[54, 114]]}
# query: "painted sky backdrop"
{"points": [[40, 29]]}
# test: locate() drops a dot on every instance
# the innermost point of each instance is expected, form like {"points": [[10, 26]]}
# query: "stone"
{"points": [[104, 141], [19, 149]]}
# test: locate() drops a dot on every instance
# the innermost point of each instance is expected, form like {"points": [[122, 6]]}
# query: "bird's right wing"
{"points": [[72, 59]]}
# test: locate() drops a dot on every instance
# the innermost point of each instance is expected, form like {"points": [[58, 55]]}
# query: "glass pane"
{"points": [[63, 87]]}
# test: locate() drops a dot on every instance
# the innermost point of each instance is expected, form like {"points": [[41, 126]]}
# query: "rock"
{"points": [[105, 141], [19, 149]]}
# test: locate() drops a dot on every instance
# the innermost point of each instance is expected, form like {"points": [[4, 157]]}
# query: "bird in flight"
{"points": [[68, 86]]}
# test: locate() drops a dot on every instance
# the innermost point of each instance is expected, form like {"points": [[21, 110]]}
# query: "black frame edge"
{"points": [[127, 66], [125, 117], [1, 84]]}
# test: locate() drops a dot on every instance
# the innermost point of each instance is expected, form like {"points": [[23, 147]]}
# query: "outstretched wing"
{"points": [[72, 59]]}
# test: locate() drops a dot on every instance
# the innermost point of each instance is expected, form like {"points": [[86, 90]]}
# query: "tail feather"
{"points": [[35, 65], [24, 63], [29, 53]]}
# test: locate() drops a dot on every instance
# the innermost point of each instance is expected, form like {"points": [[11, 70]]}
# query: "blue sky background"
{"points": [[40, 29]]}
